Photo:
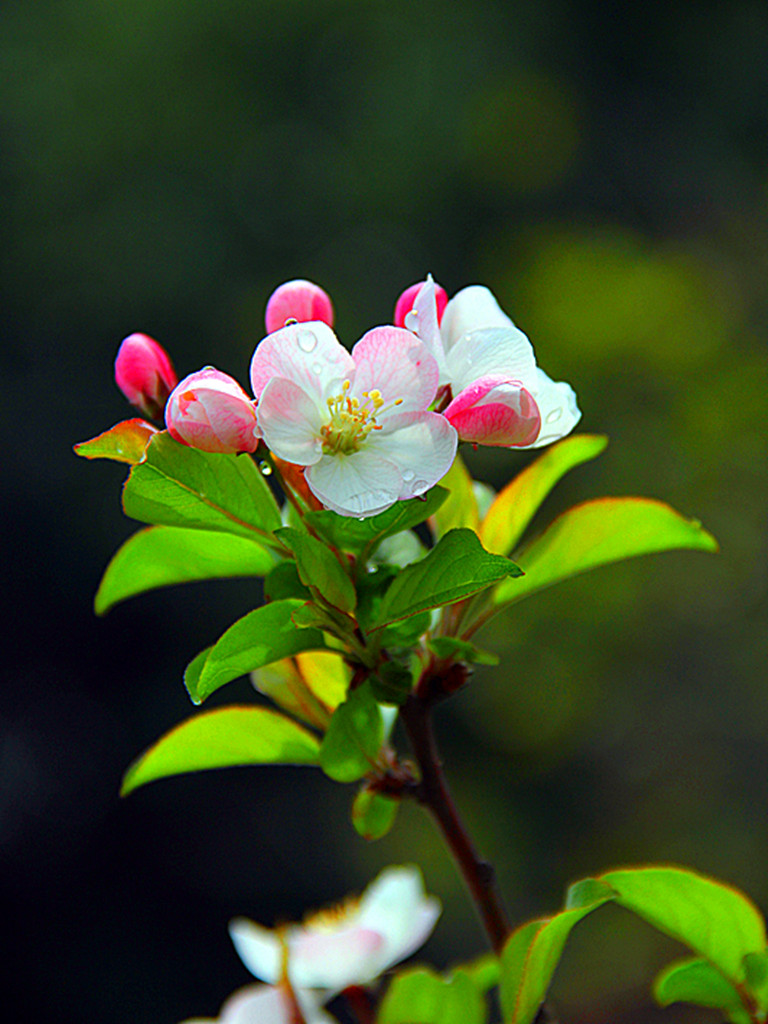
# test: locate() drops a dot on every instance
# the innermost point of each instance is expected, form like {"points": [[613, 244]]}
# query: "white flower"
{"points": [[267, 1004], [348, 945], [358, 422], [499, 395]]}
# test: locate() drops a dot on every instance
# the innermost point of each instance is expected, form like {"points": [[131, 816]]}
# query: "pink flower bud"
{"points": [[405, 303], [298, 300], [210, 411], [144, 373], [495, 411]]}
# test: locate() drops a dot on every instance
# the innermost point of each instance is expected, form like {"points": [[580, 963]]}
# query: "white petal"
{"points": [[422, 320], [396, 363], [334, 959], [557, 404], [290, 421], [468, 310], [396, 905], [360, 484], [491, 352], [258, 948], [421, 445], [264, 1004], [308, 354]]}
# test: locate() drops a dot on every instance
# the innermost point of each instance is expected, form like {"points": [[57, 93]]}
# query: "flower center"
{"points": [[351, 421]]}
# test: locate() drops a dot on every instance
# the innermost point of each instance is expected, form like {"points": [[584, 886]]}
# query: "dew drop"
{"points": [[554, 415], [307, 341], [317, 368], [420, 485], [408, 474], [266, 469]]}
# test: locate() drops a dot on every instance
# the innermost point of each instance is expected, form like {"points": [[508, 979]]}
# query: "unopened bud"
{"points": [[495, 411], [145, 374], [210, 411], [298, 300]]}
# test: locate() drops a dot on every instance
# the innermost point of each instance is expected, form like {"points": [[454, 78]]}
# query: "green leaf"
{"points": [[176, 485], [220, 739], [460, 509], [358, 535], [392, 683], [319, 569], [756, 974], [373, 814], [420, 996], [597, 533], [457, 567], [518, 502], [695, 981], [160, 556], [125, 442], [714, 920], [352, 743], [484, 971], [461, 650], [260, 637], [283, 581], [530, 957], [405, 634], [283, 683]]}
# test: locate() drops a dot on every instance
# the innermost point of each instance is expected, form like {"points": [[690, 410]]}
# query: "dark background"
{"points": [[603, 168]]}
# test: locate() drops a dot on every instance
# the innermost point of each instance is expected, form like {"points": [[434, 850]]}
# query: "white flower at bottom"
{"points": [[359, 423], [349, 945], [266, 1004]]}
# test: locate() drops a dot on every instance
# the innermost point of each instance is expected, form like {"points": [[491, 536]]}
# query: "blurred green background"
{"points": [[603, 168]]}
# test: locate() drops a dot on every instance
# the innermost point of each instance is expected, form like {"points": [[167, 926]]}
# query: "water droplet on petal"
{"points": [[317, 368], [265, 468], [420, 485], [408, 474], [554, 415], [307, 341]]}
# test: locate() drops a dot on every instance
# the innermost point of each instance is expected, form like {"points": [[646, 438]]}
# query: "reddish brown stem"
{"points": [[432, 791]]}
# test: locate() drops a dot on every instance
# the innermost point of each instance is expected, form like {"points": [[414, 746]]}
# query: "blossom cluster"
{"points": [[372, 426]]}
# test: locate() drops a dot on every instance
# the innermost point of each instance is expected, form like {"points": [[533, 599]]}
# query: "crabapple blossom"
{"points": [[210, 411], [267, 1004], [358, 422], [144, 373], [347, 945], [499, 396], [297, 300]]}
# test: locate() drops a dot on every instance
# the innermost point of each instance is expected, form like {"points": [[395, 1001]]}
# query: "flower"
{"points": [[347, 945], [267, 1004], [144, 373], [499, 396], [357, 422], [210, 411], [298, 300]]}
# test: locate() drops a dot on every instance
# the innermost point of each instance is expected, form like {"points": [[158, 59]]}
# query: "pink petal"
{"points": [[298, 300], [144, 373], [495, 412], [290, 420], [210, 411], [308, 354], [396, 363]]}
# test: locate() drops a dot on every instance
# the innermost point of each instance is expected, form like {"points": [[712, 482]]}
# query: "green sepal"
{"points": [[597, 533], [695, 980], [221, 739], [460, 509], [283, 581], [531, 955], [461, 650], [373, 814], [319, 569], [515, 506], [362, 536], [350, 747], [260, 637], [175, 485], [160, 556], [125, 442], [392, 683], [421, 995], [457, 567]]}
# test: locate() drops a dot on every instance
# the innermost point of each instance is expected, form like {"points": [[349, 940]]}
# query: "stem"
{"points": [[434, 794]]}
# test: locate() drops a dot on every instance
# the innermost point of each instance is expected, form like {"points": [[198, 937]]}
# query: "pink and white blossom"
{"points": [[358, 422], [348, 945], [298, 300], [499, 396], [210, 411], [405, 303], [144, 373]]}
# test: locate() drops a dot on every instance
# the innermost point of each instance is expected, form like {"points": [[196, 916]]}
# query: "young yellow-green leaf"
{"points": [[460, 508], [160, 556], [530, 957], [260, 637], [695, 980], [221, 739], [714, 920], [351, 745], [421, 996], [364, 535], [457, 567], [319, 569], [326, 674], [373, 814], [125, 442], [282, 682], [597, 533], [175, 485], [515, 506]]}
